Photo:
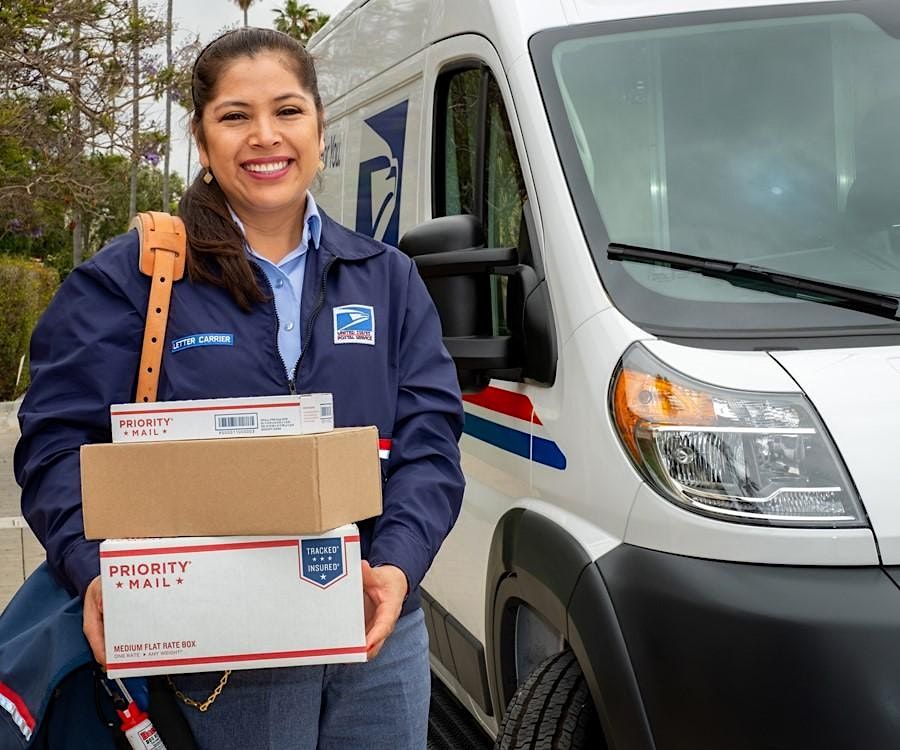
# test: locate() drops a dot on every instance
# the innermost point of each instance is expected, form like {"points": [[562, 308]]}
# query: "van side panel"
{"points": [[330, 186], [376, 38], [374, 188]]}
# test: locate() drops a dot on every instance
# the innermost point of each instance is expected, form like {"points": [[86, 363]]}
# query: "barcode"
{"points": [[325, 411], [235, 421]]}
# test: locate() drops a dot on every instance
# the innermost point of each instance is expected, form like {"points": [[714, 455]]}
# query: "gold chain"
{"points": [[204, 705]]}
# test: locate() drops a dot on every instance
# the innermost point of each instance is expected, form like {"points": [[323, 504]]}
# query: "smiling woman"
{"points": [[264, 264], [261, 138]]}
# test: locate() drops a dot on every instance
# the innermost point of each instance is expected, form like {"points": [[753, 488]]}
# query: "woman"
{"points": [[267, 266]]}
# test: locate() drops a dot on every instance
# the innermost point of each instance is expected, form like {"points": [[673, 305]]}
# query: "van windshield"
{"points": [[773, 141]]}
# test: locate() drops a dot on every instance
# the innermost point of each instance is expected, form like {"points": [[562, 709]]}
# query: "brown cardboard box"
{"points": [[290, 484]]}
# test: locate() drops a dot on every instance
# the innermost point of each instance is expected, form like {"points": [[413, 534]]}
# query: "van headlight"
{"points": [[759, 458]]}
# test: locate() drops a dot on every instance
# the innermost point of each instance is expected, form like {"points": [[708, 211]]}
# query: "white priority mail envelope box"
{"points": [[200, 419], [198, 604]]}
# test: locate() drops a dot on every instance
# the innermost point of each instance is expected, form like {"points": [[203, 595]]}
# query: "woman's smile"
{"points": [[268, 169]]}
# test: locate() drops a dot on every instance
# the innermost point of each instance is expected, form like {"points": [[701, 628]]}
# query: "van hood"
{"points": [[857, 394]]}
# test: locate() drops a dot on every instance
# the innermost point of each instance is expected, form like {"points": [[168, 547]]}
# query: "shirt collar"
{"points": [[312, 222], [312, 228]]}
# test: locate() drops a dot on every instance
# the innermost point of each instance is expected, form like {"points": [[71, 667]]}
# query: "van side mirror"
{"points": [[456, 267]]}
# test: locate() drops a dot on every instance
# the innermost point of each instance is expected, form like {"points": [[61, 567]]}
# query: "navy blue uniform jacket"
{"points": [[84, 357]]}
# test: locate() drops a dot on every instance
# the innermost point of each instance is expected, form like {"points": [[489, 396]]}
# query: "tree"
{"points": [[116, 212], [300, 21], [173, 82], [110, 216], [244, 5], [63, 97]]}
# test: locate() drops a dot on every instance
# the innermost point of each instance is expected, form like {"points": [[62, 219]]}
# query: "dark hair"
{"points": [[216, 245]]}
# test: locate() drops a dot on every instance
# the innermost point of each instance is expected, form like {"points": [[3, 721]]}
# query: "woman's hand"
{"points": [[384, 589], [93, 620]]}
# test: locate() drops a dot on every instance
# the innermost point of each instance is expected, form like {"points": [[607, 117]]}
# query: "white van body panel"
{"points": [[855, 392], [493, 486], [399, 30], [575, 415], [594, 540], [742, 371]]}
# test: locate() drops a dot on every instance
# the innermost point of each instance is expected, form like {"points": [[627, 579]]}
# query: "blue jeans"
{"points": [[377, 705]]}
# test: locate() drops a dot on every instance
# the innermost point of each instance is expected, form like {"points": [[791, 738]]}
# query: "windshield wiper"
{"points": [[764, 279]]}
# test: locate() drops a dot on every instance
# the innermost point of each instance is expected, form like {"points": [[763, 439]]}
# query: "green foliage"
{"points": [[65, 96], [301, 21], [50, 239], [112, 217], [26, 288]]}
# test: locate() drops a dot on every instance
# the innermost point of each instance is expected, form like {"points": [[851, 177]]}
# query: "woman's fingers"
{"points": [[93, 621], [384, 589]]}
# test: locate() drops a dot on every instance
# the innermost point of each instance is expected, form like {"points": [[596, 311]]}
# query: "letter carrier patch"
{"points": [[322, 561], [202, 339], [354, 324]]}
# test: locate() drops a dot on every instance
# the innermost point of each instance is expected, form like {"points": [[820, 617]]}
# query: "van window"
{"points": [[460, 142], [477, 170], [504, 187], [767, 141]]}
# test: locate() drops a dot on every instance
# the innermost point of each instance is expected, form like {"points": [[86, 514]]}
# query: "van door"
{"points": [[475, 169]]}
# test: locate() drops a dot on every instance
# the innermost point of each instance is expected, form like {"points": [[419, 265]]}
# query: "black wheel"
{"points": [[552, 710]]}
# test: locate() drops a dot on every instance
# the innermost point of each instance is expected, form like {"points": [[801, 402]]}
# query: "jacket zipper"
{"points": [[290, 381], [307, 336]]}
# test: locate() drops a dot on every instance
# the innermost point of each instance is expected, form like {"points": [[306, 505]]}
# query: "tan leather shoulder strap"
{"points": [[163, 251]]}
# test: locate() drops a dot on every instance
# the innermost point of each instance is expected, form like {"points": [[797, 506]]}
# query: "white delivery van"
{"points": [[664, 240]]}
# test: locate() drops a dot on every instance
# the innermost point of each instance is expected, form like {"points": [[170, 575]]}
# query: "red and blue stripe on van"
{"points": [[521, 442]]}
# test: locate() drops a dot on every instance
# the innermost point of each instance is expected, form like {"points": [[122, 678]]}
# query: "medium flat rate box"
{"points": [[199, 604], [203, 419], [289, 484]]}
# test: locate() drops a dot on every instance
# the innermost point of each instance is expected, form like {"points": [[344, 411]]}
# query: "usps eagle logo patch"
{"points": [[322, 561], [354, 324]]}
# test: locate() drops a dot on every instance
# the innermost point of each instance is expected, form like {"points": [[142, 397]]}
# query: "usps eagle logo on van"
{"points": [[354, 324], [381, 174], [322, 561]]}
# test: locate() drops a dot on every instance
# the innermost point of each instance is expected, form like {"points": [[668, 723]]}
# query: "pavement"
{"points": [[20, 552]]}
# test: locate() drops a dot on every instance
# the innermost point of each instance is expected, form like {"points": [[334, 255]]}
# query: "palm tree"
{"points": [[300, 21], [243, 5]]}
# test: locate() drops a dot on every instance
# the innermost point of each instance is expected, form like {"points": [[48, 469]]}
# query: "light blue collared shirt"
{"points": [[286, 280]]}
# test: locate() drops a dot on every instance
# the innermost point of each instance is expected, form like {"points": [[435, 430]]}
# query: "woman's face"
{"points": [[262, 138]]}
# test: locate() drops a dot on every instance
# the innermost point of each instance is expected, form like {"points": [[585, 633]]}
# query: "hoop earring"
{"points": [[207, 177], [321, 166]]}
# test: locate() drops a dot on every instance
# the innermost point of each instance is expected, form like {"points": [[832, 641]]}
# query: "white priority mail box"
{"points": [[198, 604], [200, 419]]}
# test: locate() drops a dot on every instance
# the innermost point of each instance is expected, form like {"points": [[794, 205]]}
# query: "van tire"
{"points": [[552, 710]]}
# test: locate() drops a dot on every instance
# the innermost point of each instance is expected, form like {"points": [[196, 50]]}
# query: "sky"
{"points": [[208, 18]]}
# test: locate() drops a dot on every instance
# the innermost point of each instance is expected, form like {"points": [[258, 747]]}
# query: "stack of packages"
{"points": [[229, 536]]}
